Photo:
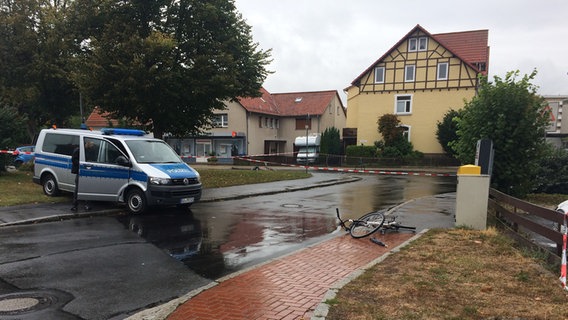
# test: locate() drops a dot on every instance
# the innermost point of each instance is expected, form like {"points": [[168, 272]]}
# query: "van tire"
{"points": [[136, 201], [49, 184]]}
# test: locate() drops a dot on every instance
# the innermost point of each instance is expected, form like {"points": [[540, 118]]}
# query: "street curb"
{"points": [[93, 213], [58, 217], [322, 309], [291, 189]]}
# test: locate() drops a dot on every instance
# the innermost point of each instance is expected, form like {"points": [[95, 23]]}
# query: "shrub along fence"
{"points": [[524, 217]]}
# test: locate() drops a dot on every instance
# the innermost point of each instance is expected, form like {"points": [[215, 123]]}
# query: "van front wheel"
{"points": [[136, 201], [50, 185]]}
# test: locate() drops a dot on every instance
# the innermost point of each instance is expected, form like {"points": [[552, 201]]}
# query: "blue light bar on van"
{"points": [[123, 132]]}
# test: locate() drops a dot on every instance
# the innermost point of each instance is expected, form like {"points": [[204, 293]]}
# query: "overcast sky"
{"points": [[326, 44]]}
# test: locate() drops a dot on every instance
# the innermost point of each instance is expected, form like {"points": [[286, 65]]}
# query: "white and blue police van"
{"points": [[119, 165]]}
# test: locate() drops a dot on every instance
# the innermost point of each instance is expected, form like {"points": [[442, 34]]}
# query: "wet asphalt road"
{"points": [[110, 267]]}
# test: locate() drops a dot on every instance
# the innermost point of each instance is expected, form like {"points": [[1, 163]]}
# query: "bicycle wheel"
{"points": [[367, 224]]}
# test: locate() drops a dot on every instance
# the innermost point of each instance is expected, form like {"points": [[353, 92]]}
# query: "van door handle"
{"points": [[88, 167]]}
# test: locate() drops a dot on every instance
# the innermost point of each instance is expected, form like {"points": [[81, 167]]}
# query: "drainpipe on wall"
{"points": [[246, 144]]}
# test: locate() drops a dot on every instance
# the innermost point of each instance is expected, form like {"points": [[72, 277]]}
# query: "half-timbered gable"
{"points": [[420, 78]]}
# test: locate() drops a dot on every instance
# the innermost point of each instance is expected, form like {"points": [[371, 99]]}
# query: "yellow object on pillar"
{"points": [[469, 169]]}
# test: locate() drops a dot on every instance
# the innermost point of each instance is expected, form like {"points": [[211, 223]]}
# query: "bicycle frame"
{"points": [[369, 225], [364, 226]]}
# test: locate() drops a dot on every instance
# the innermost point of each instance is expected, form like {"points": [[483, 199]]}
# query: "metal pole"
{"points": [[307, 126]]}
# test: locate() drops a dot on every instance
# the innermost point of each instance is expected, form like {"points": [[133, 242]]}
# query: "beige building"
{"points": [[557, 130], [266, 125], [419, 79]]}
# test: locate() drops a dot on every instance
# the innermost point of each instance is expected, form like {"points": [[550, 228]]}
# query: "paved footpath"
{"points": [[291, 287]]}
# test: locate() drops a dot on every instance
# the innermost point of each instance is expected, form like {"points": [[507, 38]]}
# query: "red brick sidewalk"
{"points": [[288, 288]]}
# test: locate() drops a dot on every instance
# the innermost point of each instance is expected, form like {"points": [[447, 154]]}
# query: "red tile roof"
{"points": [[466, 45], [302, 103], [291, 104], [278, 104], [100, 119], [263, 104], [471, 46]]}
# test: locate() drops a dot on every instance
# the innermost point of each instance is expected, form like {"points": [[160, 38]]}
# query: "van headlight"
{"points": [[160, 181]]}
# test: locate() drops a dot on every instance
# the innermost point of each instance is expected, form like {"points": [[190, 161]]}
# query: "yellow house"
{"points": [[419, 79]]}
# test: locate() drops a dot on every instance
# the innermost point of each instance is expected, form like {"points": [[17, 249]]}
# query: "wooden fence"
{"points": [[518, 213]]}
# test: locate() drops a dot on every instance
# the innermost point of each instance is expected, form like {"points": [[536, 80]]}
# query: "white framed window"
{"points": [[409, 72], [412, 44], [442, 71], [422, 44], [405, 132], [379, 74], [221, 120], [403, 104], [418, 44]]}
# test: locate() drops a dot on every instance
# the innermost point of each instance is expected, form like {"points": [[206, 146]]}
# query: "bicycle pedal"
{"points": [[379, 242]]}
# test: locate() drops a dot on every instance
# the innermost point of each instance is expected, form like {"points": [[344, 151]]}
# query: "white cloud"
{"points": [[324, 45]]}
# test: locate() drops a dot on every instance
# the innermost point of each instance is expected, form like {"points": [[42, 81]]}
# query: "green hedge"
{"points": [[360, 154]]}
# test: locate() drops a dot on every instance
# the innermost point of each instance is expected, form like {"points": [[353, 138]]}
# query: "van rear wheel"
{"points": [[49, 184], [136, 201]]}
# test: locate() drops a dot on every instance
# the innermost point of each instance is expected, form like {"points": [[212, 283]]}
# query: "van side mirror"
{"points": [[123, 161]]}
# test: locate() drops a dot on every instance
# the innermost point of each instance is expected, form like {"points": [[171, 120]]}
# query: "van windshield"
{"points": [[152, 151]]}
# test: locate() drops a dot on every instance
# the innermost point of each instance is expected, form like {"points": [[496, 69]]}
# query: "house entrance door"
{"points": [[202, 148]]}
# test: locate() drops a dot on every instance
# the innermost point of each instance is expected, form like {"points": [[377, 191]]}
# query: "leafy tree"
{"points": [[552, 174], [166, 64], [509, 112], [330, 141], [389, 128], [12, 132], [35, 50], [330, 144], [395, 144], [447, 131]]}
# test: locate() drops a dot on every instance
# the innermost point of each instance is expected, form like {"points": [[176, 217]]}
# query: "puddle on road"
{"points": [[217, 239], [214, 248]]}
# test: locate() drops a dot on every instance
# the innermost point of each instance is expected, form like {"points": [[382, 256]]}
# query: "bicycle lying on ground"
{"points": [[370, 223]]}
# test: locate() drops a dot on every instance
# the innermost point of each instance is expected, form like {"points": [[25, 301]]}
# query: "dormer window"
{"points": [[298, 100], [418, 44], [481, 66]]}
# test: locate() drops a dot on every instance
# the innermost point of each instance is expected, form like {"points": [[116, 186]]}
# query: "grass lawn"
{"points": [[454, 274], [18, 188]]}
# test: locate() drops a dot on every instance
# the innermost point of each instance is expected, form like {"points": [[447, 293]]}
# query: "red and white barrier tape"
{"points": [[250, 156], [563, 266], [383, 172], [14, 152]]}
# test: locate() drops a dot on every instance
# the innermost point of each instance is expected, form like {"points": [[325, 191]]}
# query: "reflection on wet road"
{"points": [[219, 238]]}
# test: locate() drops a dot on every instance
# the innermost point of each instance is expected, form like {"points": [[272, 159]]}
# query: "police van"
{"points": [[119, 165]]}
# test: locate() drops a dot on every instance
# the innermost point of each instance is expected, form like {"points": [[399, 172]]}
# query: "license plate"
{"points": [[187, 200]]}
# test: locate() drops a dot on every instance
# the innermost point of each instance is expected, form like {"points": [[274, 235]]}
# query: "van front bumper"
{"points": [[173, 195]]}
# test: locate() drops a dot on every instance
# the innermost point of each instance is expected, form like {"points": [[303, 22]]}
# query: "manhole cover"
{"points": [[292, 205], [18, 303]]}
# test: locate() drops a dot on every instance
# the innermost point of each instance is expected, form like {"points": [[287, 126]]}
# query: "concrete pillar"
{"points": [[472, 197]]}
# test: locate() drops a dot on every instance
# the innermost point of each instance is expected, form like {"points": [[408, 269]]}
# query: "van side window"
{"points": [[118, 144], [60, 143], [92, 149], [100, 151]]}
